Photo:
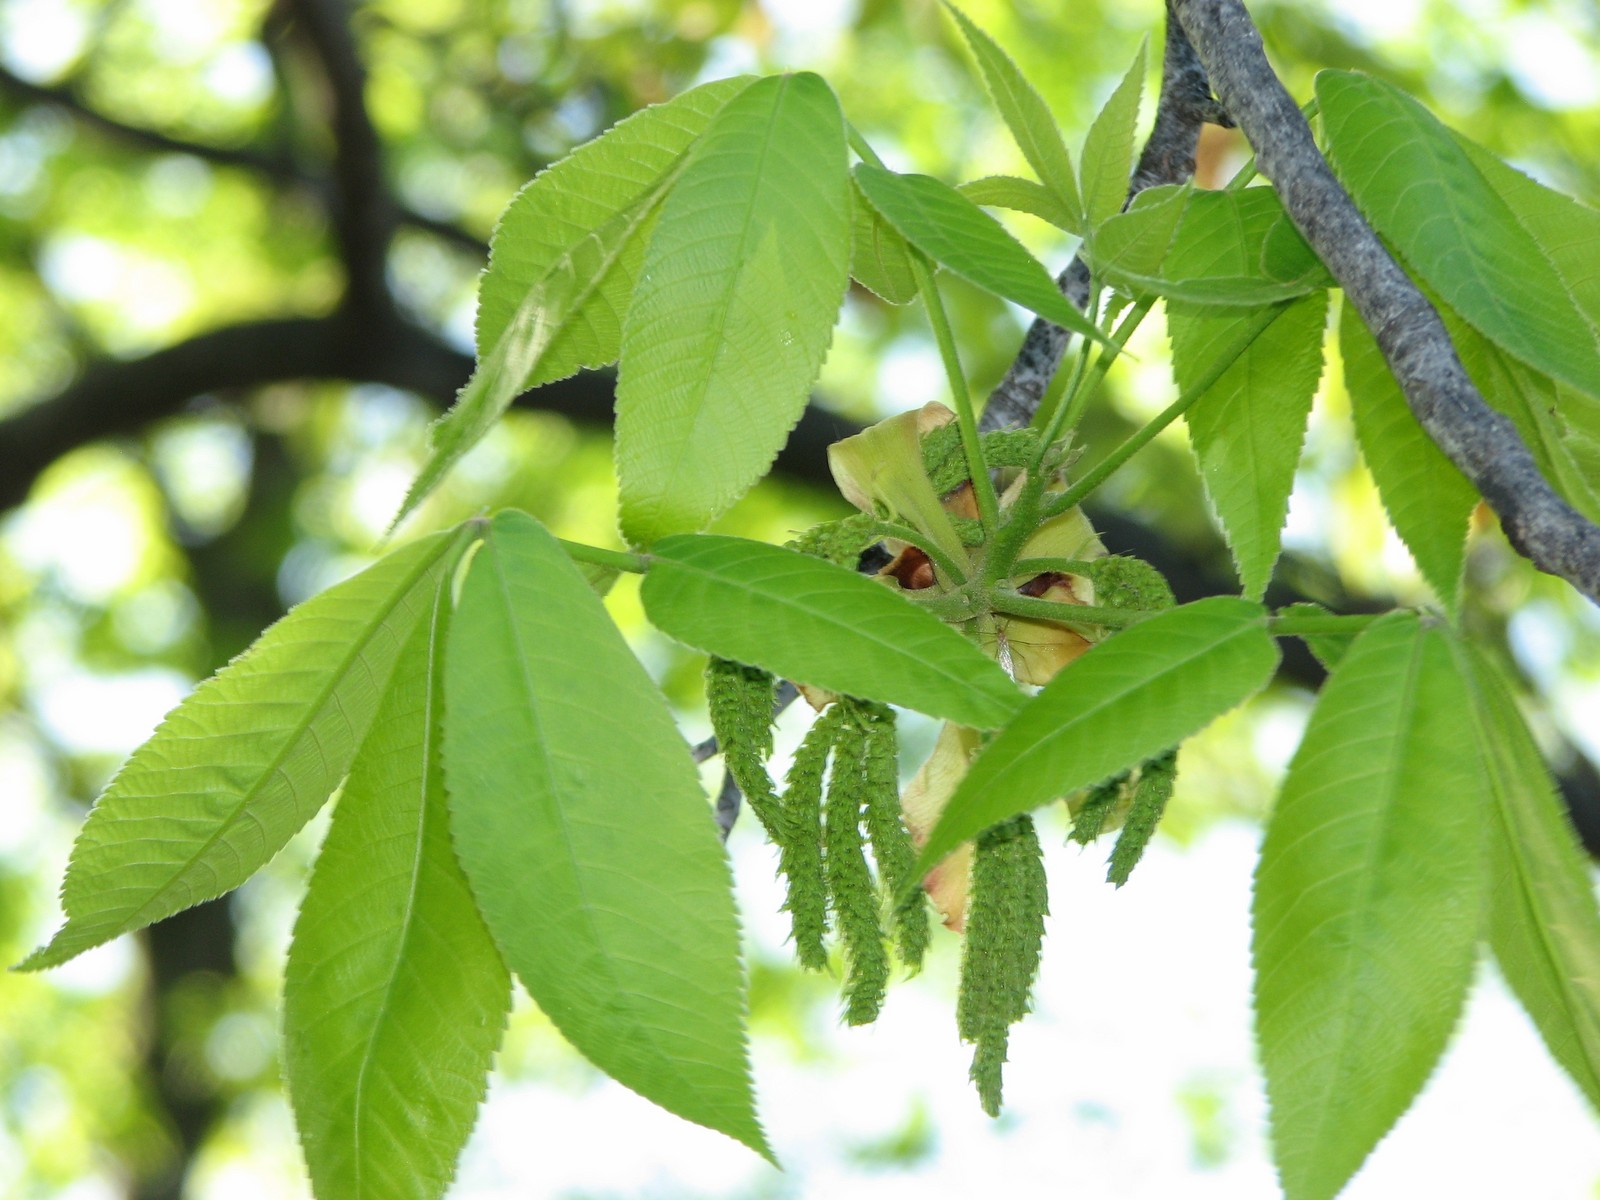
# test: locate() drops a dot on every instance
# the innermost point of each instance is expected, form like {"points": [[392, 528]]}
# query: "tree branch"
{"points": [[1186, 104], [1483, 443], [278, 168], [363, 215]]}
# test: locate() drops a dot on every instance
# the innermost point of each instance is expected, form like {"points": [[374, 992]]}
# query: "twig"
{"points": [[1483, 443], [1186, 104]]}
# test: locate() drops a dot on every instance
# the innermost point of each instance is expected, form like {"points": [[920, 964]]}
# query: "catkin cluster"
{"points": [[841, 795]]}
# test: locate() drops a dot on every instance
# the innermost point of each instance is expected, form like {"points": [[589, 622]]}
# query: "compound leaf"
{"points": [[1248, 427], [1368, 901], [816, 623], [1423, 193], [234, 771], [1427, 498], [1126, 700], [584, 831], [735, 306], [953, 231], [394, 996]]}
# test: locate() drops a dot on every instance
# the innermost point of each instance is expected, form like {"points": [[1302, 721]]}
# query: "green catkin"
{"points": [[740, 700], [840, 542], [1150, 796], [850, 883], [1005, 933], [1099, 802], [891, 844], [800, 854]]}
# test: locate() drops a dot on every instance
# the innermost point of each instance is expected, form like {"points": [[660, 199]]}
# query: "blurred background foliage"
{"points": [[238, 250]]}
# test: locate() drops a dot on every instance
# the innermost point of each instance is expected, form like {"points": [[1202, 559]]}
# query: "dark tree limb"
{"points": [[279, 168], [1483, 443], [1185, 106], [363, 213]]}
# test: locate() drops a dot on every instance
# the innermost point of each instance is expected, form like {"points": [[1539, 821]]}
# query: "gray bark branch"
{"points": [[1483, 443]]}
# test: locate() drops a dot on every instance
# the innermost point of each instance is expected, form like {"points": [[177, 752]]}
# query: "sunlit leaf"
{"points": [[1107, 161], [815, 623], [1421, 191], [880, 260], [1544, 928], [952, 230], [1020, 195], [1207, 247], [735, 306], [1368, 901], [1427, 498], [562, 266], [1129, 698], [564, 204], [1534, 402], [588, 841], [1248, 427], [394, 997], [234, 771], [1029, 120]]}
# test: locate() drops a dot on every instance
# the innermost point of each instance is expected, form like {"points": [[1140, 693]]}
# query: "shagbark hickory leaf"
{"points": [[1207, 247], [1028, 117], [234, 771], [1428, 500], [564, 205], [955, 232], [1131, 697], [1543, 925], [562, 265], [1535, 403], [1421, 191], [394, 997], [1248, 427], [735, 306], [1368, 901], [1020, 195], [880, 260], [582, 826], [1107, 161], [816, 623]]}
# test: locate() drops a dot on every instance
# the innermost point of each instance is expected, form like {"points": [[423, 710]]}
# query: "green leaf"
{"points": [[1248, 427], [735, 306], [1128, 699], [1207, 247], [952, 230], [1534, 402], [586, 836], [1027, 116], [234, 771], [394, 998], [1108, 149], [1368, 901], [1021, 195], [1421, 191], [550, 219], [1543, 925], [1427, 498], [1566, 230], [880, 260], [561, 269], [812, 622]]}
